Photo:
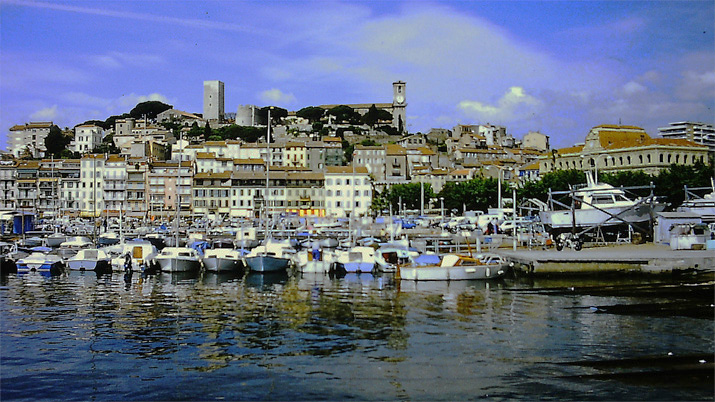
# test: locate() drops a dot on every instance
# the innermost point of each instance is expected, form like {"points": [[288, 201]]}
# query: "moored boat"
{"points": [[178, 259], [270, 257], [223, 260], [90, 260], [456, 267], [41, 262]]}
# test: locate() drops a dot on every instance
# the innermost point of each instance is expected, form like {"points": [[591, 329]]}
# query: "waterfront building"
{"points": [[348, 190], [700, 133], [396, 165], [28, 139], [305, 193], [212, 193], [614, 148], [86, 138], [27, 193], [48, 189], [91, 183], [8, 185], [115, 185], [213, 101], [136, 199], [70, 174]]}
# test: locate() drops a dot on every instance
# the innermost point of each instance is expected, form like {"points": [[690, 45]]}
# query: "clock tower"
{"points": [[399, 102]]}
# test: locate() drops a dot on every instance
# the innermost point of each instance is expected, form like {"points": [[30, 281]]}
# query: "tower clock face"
{"points": [[399, 98]]}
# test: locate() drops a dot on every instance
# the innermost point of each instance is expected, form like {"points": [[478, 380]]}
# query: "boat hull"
{"points": [[175, 264], [267, 263], [591, 217], [220, 264], [454, 273], [88, 265]]}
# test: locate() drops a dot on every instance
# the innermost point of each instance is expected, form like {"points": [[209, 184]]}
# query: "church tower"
{"points": [[399, 103]]}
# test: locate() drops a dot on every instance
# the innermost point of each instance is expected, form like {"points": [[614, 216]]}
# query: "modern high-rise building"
{"points": [[700, 133], [213, 101]]}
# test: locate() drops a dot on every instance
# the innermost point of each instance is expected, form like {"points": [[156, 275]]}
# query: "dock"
{"points": [[630, 258]]}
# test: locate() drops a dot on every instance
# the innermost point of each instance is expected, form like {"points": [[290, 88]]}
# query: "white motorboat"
{"points": [[90, 259], [703, 206], [76, 243], [272, 256], [358, 259], [178, 259], [314, 261], [142, 254], [55, 239], [223, 260], [600, 204], [456, 267], [41, 262]]}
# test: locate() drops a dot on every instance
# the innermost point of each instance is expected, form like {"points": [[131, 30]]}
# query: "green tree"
{"points": [[670, 182], [409, 193], [149, 108], [56, 141], [344, 114], [277, 113], [312, 113]]}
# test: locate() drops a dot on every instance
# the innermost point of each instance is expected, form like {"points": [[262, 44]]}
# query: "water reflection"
{"points": [[411, 340]]}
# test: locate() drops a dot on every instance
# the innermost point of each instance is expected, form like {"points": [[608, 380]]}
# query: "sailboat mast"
{"points": [[268, 170]]}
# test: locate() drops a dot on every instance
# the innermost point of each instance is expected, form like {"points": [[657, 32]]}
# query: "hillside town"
{"points": [[327, 165]]}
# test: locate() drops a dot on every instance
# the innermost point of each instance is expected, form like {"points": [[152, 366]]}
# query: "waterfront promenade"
{"points": [[626, 258]]}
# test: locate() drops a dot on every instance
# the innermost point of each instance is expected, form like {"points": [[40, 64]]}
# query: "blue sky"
{"points": [[559, 67]]}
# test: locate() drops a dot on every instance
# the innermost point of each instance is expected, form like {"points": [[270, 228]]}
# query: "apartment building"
{"points": [[86, 138], [115, 185], [700, 133], [348, 191], [70, 174], [27, 193], [28, 138], [8, 185], [91, 184]]}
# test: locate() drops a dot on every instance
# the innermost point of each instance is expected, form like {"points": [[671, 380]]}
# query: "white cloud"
{"points": [[515, 104], [277, 97], [127, 102], [116, 60], [633, 87], [48, 113]]}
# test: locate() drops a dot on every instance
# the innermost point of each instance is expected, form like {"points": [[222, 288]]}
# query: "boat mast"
{"points": [[178, 193], [268, 171]]}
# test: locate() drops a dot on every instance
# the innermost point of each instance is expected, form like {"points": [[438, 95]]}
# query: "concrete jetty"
{"points": [[631, 258]]}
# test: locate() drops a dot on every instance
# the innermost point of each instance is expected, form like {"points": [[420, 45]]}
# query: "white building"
{"points": [[91, 179], [699, 133], [115, 185], [30, 137], [213, 101], [86, 138], [348, 190]]}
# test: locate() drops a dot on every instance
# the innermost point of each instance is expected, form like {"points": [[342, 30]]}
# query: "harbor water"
{"points": [[274, 337]]}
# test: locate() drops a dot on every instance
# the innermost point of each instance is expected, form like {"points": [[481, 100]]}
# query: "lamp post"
{"points": [[441, 208], [499, 179]]}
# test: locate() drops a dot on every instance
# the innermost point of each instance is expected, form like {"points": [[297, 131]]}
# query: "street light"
{"points": [[499, 179], [441, 208]]}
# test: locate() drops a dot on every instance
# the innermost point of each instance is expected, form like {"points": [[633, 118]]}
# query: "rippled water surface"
{"points": [[213, 337]]}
